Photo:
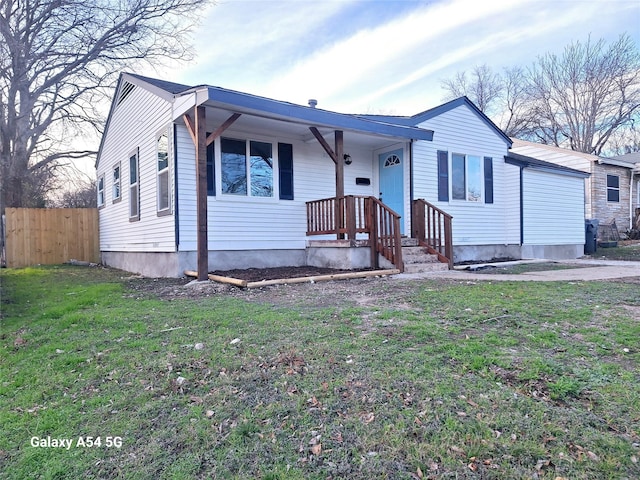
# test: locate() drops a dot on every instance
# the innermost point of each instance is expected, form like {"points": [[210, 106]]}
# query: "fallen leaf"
{"points": [[419, 473], [209, 413], [19, 341], [316, 449], [367, 417], [592, 456]]}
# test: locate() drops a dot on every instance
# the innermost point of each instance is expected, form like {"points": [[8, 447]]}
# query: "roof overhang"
{"points": [[266, 108], [523, 161]]}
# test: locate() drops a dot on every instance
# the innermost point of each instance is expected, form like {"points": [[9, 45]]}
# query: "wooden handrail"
{"points": [[354, 214], [433, 228]]}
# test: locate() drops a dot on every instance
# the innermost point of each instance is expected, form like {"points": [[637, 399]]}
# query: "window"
{"points": [[234, 166], [134, 190], [101, 191], [467, 176], [116, 184], [246, 167], [163, 173], [613, 188]]}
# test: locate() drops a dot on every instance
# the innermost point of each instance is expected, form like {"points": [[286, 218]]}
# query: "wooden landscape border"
{"points": [[283, 281]]}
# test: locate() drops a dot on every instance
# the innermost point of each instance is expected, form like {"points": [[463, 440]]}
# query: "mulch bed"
{"points": [[259, 274]]}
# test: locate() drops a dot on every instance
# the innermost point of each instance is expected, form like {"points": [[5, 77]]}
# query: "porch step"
{"points": [[418, 260]]}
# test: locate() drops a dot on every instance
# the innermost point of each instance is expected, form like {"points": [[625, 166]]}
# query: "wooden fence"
{"points": [[51, 236]]}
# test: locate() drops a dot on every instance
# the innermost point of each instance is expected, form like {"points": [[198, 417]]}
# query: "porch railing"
{"points": [[433, 229], [350, 215]]}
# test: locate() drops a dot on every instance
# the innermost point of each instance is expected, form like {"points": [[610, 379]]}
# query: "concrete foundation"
{"points": [[553, 252], [173, 264], [476, 253], [464, 253]]}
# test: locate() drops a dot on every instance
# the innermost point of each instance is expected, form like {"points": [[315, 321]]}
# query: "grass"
{"points": [[425, 379], [629, 252]]}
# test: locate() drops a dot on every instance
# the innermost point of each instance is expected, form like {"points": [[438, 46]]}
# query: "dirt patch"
{"points": [[275, 273]]}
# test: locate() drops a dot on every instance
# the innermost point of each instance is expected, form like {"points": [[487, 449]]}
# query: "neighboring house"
{"points": [[611, 190], [633, 160], [212, 179]]}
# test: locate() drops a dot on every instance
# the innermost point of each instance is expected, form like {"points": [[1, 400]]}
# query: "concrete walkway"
{"points": [[585, 270]]}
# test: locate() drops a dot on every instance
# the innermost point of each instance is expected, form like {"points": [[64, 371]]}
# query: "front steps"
{"points": [[417, 260]]}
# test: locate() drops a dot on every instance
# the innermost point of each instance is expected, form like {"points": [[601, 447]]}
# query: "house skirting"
{"points": [[336, 254], [467, 253]]}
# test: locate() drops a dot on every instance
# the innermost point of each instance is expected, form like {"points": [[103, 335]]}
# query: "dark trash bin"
{"points": [[591, 236]]}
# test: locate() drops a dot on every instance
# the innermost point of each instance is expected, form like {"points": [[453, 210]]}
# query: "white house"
{"points": [[210, 179]]}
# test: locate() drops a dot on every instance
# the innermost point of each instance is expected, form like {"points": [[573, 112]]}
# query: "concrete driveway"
{"points": [[585, 270]]}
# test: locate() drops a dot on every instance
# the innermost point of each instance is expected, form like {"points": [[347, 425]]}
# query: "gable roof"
{"points": [[279, 110], [439, 110], [536, 164]]}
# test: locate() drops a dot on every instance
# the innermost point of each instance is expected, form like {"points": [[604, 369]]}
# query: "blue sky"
{"points": [[378, 56]]}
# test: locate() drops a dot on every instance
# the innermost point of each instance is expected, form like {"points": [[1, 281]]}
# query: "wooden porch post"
{"points": [[339, 152], [201, 193]]}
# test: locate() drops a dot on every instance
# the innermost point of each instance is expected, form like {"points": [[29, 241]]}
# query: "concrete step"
{"points": [[409, 242], [425, 267], [418, 260]]}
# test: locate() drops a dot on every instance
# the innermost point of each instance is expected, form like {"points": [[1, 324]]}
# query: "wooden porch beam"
{"points": [[220, 130], [191, 128], [325, 145]]}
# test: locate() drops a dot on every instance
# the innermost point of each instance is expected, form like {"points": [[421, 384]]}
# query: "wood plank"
{"points": [[201, 193], [325, 145], [220, 130], [323, 278]]}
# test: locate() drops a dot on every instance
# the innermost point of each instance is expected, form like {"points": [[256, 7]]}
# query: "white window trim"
{"points": [[134, 186], [275, 198], [116, 199], [466, 201], [100, 192], [165, 171]]}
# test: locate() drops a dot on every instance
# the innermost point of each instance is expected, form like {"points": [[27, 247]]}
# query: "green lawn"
{"points": [[362, 379], [630, 252]]}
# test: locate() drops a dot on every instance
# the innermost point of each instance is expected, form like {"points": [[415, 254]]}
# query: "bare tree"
{"points": [[577, 100], [583, 96], [484, 87], [56, 59]]}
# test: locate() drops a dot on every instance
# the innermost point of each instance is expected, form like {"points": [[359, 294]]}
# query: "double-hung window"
{"points": [[134, 188], [116, 193], [469, 178], [466, 178], [100, 195], [613, 188], [163, 200]]}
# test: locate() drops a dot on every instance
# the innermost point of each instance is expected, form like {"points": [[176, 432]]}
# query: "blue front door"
{"points": [[391, 182]]}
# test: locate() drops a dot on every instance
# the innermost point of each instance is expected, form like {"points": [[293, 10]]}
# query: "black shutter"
{"points": [[488, 180], [285, 170], [443, 176], [211, 171]]}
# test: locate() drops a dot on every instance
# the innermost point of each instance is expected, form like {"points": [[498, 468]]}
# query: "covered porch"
{"points": [[362, 220]]}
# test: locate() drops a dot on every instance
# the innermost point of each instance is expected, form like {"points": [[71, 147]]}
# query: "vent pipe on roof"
{"points": [[313, 102]]}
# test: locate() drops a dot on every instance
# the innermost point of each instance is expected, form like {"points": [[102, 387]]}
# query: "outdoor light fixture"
{"points": [[347, 159]]}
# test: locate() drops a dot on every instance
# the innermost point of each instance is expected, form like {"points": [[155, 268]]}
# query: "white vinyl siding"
{"points": [[474, 223], [239, 222], [556, 219], [134, 125]]}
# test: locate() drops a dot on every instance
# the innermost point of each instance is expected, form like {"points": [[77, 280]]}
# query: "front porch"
{"points": [[364, 221]]}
